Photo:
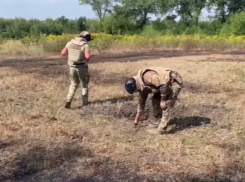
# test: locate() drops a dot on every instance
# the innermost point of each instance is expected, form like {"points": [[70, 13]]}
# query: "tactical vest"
{"points": [[164, 74], [76, 57]]}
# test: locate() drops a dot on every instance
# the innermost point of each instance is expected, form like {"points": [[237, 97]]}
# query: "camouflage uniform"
{"points": [[164, 84], [78, 68]]}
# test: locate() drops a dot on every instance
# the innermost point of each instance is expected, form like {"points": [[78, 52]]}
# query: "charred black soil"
{"points": [[46, 62], [184, 116], [54, 67]]}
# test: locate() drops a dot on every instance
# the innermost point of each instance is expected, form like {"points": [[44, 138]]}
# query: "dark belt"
{"points": [[79, 63]]}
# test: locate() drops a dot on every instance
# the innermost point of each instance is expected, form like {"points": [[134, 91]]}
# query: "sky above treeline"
{"points": [[42, 9]]}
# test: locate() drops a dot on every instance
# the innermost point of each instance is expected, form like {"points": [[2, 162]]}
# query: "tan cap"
{"points": [[86, 35]]}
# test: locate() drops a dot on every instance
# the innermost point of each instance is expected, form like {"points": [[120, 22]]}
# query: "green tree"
{"points": [[188, 10], [81, 24], [119, 23], [100, 7], [224, 8], [62, 20], [140, 9], [94, 26], [235, 25]]}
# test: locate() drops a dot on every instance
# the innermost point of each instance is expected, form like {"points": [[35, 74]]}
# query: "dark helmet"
{"points": [[130, 85]]}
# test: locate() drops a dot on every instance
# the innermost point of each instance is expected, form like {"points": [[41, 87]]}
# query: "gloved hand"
{"points": [[163, 105], [166, 104]]}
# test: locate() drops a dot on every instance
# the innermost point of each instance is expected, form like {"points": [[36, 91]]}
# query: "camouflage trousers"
{"points": [[79, 76], [166, 114]]}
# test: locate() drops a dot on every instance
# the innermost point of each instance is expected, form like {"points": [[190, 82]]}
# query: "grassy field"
{"points": [[115, 44], [42, 141]]}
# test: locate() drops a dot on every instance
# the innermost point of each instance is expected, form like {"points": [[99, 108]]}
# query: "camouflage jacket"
{"points": [[157, 80]]}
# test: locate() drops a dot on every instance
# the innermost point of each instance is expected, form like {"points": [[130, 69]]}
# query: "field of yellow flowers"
{"points": [[123, 43], [106, 41]]}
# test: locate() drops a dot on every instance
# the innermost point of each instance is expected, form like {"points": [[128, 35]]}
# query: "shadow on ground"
{"points": [[4, 145], [79, 164], [114, 100], [40, 158], [182, 123]]}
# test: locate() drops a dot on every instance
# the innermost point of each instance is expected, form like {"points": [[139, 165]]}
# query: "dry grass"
{"points": [[13, 48], [41, 141]]}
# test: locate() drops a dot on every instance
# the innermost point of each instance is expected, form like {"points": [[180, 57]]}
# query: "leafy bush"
{"points": [[235, 25]]}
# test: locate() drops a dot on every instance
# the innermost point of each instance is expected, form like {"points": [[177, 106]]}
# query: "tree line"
{"points": [[132, 17]]}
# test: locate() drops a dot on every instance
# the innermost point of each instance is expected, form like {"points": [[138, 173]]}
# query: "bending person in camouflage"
{"points": [[165, 85], [78, 56]]}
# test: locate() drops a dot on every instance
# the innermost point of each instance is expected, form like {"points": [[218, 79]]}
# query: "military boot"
{"points": [[84, 101], [68, 105]]}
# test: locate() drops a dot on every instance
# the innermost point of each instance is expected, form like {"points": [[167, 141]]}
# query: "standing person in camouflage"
{"points": [[78, 56], [165, 85]]}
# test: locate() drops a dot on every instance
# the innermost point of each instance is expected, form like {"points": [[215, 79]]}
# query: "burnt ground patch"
{"points": [[107, 79], [45, 62], [123, 57], [146, 55], [193, 87], [40, 158], [53, 67], [105, 169], [77, 163], [200, 88], [58, 162], [4, 144], [196, 88], [184, 116]]}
